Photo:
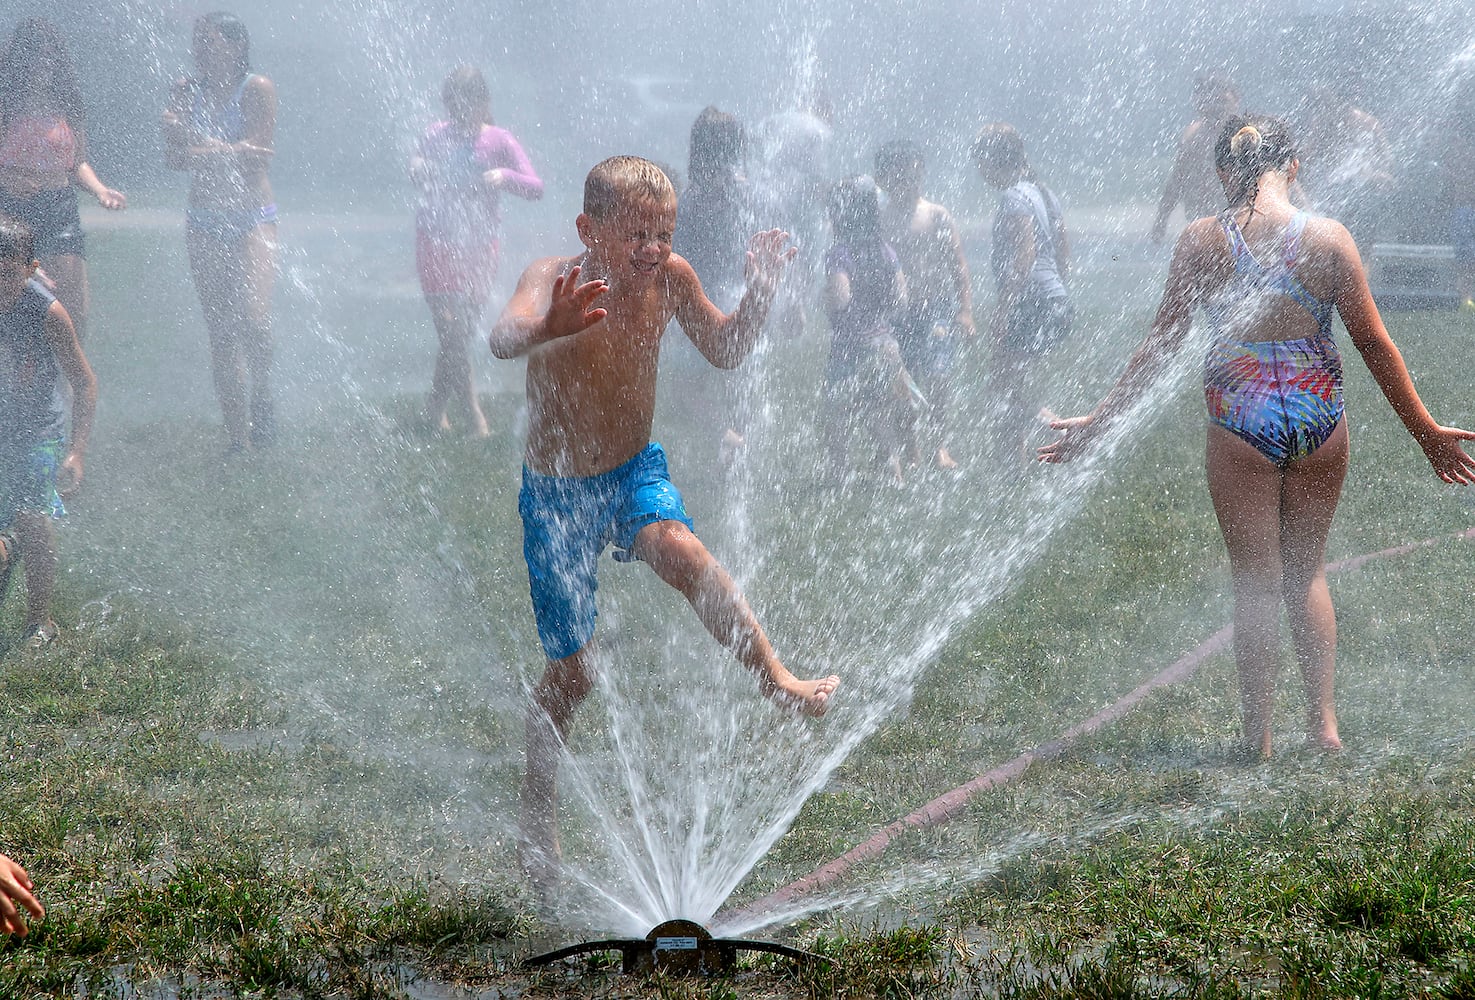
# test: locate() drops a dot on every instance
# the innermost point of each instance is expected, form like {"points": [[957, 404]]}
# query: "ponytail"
{"points": [[1249, 147]]}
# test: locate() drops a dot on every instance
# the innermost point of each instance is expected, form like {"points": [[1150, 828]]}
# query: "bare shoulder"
{"points": [[59, 322], [1199, 239], [938, 218], [1331, 244], [680, 273], [539, 275], [260, 87]]}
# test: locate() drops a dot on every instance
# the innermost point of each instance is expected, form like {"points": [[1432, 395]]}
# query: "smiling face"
{"points": [[633, 243]]}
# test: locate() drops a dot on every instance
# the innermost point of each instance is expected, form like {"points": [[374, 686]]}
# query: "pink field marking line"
{"points": [[945, 806]]}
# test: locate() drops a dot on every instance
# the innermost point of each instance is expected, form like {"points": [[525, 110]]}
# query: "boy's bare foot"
{"points": [[538, 852], [810, 698], [945, 460]]}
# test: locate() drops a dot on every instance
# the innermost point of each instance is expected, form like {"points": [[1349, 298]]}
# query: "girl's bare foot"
{"points": [[945, 460], [1328, 742]]}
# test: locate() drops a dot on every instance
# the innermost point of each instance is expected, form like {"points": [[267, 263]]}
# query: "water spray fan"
{"points": [[676, 947]]}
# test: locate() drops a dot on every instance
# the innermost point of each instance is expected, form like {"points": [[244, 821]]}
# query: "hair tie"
{"points": [[1246, 140]]}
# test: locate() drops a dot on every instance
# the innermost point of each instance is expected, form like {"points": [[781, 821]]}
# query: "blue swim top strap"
{"points": [[1280, 278]]}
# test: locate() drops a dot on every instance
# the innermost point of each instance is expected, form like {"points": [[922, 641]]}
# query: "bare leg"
{"points": [[259, 270], [1309, 497], [216, 269], [564, 686], [1246, 487], [681, 560], [37, 538], [69, 271], [453, 376]]}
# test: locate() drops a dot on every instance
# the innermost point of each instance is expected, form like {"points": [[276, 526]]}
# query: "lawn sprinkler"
{"points": [[676, 947]]}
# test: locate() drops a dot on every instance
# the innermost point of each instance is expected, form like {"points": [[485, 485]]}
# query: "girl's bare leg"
{"points": [[69, 272], [1309, 497], [1246, 490], [259, 273], [217, 272], [454, 323]]}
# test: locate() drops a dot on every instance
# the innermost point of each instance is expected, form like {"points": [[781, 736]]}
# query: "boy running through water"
{"points": [[590, 327], [939, 306], [38, 348]]}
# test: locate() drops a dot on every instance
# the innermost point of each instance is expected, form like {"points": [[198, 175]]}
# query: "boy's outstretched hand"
{"points": [[569, 309], [768, 254]]}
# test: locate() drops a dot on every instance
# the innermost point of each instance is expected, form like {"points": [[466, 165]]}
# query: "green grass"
{"points": [[277, 748]]}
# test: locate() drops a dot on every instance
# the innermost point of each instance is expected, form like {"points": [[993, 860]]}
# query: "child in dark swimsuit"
{"points": [[220, 126], [43, 158], [864, 289], [39, 354], [1269, 278]]}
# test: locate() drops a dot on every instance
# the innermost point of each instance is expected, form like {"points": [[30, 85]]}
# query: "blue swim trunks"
{"points": [[28, 480], [566, 523]]}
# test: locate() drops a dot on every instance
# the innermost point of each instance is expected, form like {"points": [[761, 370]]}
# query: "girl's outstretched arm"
{"points": [[1359, 313], [1192, 263]]}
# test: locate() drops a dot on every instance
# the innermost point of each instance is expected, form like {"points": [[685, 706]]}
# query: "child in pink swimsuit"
{"points": [[462, 165]]}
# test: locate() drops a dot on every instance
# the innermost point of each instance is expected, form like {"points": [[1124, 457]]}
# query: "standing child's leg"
{"points": [[564, 686], [37, 537], [217, 276], [681, 560], [1308, 501], [259, 272], [1245, 488], [454, 322]]}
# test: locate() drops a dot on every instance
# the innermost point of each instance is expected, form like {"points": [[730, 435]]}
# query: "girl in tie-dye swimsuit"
{"points": [[1277, 442], [1282, 396]]}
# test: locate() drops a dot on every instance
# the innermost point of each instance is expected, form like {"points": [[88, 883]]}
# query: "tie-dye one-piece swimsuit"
{"points": [[1282, 396]]}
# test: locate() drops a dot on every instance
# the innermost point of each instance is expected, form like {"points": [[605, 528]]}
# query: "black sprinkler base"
{"points": [[676, 947]]}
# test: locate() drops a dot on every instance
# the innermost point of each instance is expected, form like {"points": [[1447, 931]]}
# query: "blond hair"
{"points": [[619, 180]]}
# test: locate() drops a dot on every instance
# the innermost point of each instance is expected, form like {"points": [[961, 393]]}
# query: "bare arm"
{"points": [[1062, 249], [545, 306], [185, 149], [947, 232], [177, 133], [257, 145], [1181, 296], [1018, 237], [85, 178], [726, 340], [515, 173], [1173, 190], [1441, 445], [74, 367]]}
